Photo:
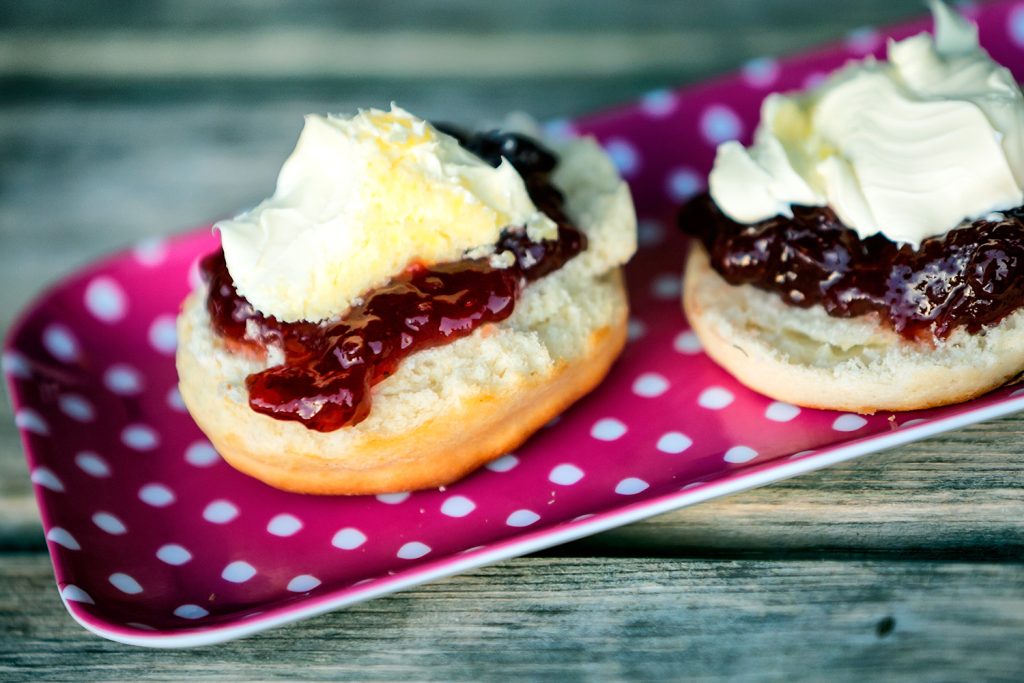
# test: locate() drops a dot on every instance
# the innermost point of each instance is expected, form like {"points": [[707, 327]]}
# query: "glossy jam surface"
{"points": [[330, 367], [971, 277]]}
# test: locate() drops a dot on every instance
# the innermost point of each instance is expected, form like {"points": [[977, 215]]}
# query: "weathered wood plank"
{"points": [[203, 40], [429, 15], [587, 619]]}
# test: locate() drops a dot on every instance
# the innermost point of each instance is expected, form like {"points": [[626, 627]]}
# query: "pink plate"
{"points": [[156, 541]]}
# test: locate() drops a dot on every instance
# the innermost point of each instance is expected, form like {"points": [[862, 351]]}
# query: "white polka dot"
{"points": [[63, 537], [863, 40], [150, 251], [631, 486], [123, 380], [658, 103], [413, 550], [715, 398], [201, 454], [848, 423], [674, 442], [917, 421], [31, 421], [190, 612], [174, 400], [800, 454], [739, 454], [284, 525], [560, 129], [687, 342], [667, 286], [220, 512], [348, 539], [635, 329], [162, 334], [760, 72], [503, 464], [457, 506], [692, 485], [608, 429], [684, 183], [303, 583], [174, 554], [781, 412], [16, 365], [140, 437], [1015, 25], [125, 583], [521, 518], [105, 299], [393, 498], [61, 344], [565, 475], [1018, 392], [623, 155], [76, 594], [650, 233], [77, 407], [238, 572], [156, 495], [44, 476], [110, 523], [92, 464], [650, 385], [719, 124]]}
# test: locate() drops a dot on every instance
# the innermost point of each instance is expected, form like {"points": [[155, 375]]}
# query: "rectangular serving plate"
{"points": [[155, 541]]}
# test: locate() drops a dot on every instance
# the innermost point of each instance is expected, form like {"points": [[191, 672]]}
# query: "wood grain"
{"points": [[587, 619]]}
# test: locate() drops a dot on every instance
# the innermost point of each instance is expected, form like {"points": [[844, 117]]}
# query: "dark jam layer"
{"points": [[971, 277], [329, 368]]}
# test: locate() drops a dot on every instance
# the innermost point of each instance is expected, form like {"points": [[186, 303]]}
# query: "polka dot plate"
{"points": [[156, 541]]}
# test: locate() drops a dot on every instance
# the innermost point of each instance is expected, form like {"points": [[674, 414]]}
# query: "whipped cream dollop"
{"points": [[909, 147], [359, 200]]}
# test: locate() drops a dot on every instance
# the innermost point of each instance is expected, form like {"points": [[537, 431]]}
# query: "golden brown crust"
{"points": [[438, 452], [743, 330]]}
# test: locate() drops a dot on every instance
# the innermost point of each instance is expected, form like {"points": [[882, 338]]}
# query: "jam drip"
{"points": [[972, 277], [329, 368]]}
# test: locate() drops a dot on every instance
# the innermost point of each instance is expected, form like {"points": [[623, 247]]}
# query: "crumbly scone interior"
{"points": [[810, 337]]}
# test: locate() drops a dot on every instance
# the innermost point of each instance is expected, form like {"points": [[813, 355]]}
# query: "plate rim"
{"points": [[563, 532]]}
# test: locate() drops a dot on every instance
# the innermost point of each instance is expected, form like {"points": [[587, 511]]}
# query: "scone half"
{"points": [[450, 409], [806, 357]]}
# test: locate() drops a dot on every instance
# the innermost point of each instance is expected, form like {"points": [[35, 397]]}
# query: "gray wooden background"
{"points": [[120, 120]]}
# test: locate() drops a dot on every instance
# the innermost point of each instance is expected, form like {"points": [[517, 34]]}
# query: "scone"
{"points": [[866, 253], [411, 303]]}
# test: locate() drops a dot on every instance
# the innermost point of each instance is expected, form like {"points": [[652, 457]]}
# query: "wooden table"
{"points": [[119, 122]]}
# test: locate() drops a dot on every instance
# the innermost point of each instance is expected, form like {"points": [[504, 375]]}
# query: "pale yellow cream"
{"points": [[360, 199], [908, 147]]}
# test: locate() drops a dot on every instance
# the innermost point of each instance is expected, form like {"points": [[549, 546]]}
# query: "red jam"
{"points": [[330, 367], [971, 277]]}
